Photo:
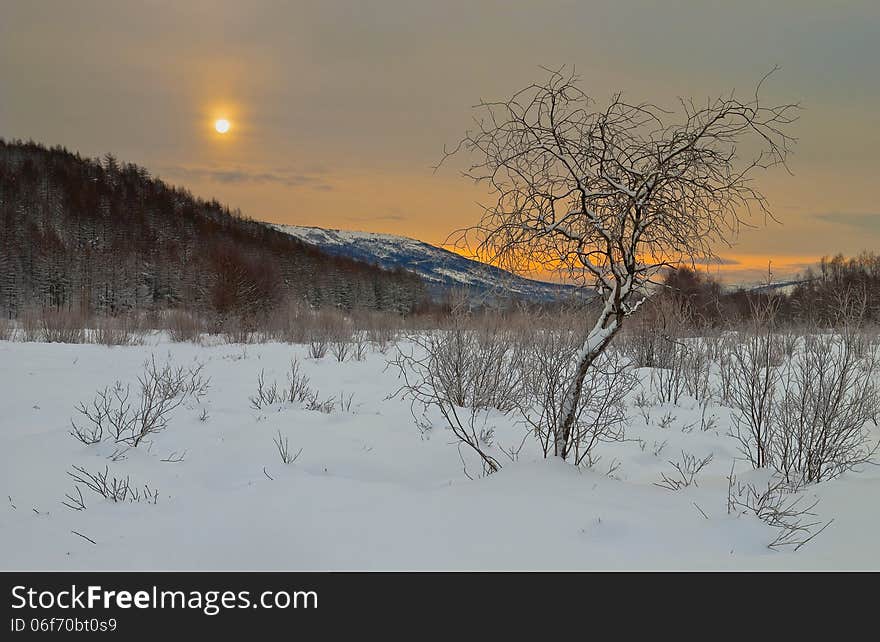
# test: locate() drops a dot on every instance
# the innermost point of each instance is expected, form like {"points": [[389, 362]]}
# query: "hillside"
{"points": [[440, 269], [107, 237]]}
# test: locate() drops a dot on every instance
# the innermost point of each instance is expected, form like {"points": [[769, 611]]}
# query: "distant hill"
{"points": [[440, 269], [105, 236], [780, 287]]}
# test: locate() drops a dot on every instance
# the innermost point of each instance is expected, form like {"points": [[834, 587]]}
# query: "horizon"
{"points": [[336, 115]]}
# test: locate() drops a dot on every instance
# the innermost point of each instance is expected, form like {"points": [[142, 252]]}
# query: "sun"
{"points": [[221, 125]]}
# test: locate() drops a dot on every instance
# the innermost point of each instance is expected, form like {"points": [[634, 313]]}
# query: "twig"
{"points": [[88, 539]]}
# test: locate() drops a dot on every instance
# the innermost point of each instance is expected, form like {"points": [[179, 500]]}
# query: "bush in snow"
{"points": [[283, 447], [123, 330], [806, 416], [115, 414], [465, 372], [686, 470], [102, 483], [183, 325], [548, 368], [297, 391], [777, 505], [439, 371], [62, 326], [827, 399]]}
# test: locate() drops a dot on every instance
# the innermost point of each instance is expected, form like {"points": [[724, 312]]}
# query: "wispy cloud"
{"points": [[289, 178], [861, 221]]}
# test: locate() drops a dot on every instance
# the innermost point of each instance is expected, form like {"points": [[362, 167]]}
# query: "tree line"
{"points": [[839, 290], [105, 237]]}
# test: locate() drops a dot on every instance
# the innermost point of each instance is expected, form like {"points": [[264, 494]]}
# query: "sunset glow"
{"points": [[338, 119]]}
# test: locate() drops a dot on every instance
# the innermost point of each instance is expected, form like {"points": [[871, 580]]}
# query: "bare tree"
{"points": [[612, 195]]}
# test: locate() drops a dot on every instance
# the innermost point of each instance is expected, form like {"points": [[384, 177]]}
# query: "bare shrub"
{"points": [[707, 422], [697, 368], [319, 342], [471, 366], [114, 415], [777, 506], [183, 326], [297, 391], [267, 395], [298, 384], [668, 381], [62, 326], [666, 421], [327, 406], [123, 330], [686, 470], [342, 344], [548, 366], [427, 387], [724, 360], [788, 342], [239, 329], [805, 415], [474, 368], [283, 447], [828, 397], [684, 369], [116, 489], [289, 321], [382, 330], [650, 339], [755, 377], [360, 343], [345, 402], [7, 329], [30, 326]]}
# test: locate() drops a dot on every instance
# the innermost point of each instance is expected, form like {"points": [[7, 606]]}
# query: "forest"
{"points": [[104, 237]]}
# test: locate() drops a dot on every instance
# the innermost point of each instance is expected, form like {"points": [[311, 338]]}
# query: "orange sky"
{"points": [[339, 110]]}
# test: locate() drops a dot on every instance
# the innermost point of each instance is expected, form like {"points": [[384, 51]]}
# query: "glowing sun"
{"points": [[221, 125]]}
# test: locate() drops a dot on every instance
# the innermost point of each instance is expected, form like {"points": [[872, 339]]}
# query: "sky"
{"points": [[339, 110]]}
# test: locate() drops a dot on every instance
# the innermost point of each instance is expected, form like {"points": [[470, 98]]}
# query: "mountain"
{"points": [[104, 236], [776, 287], [440, 269]]}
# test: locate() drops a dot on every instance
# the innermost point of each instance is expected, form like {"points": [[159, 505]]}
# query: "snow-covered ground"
{"points": [[369, 490]]}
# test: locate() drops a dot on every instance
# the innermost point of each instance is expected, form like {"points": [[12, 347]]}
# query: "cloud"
{"points": [[860, 221], [287, 178]]}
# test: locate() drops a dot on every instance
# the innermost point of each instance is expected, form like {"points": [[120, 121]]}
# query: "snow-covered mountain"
{"points": [[441, 269]]}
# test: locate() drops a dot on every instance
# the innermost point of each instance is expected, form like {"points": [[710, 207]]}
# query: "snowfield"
{"points": [[369, 490]]}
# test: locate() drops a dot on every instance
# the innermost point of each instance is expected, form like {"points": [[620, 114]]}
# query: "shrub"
{"points": [[114, 414]]}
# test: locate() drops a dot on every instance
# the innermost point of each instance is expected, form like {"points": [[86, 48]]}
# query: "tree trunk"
{"points": [[600, 336]]}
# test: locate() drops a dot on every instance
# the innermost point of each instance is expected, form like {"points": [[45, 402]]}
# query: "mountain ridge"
{"points": [[439, 268]]}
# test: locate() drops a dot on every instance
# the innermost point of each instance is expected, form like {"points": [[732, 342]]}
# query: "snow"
{"points": [[369, 491], [437, 266]]}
